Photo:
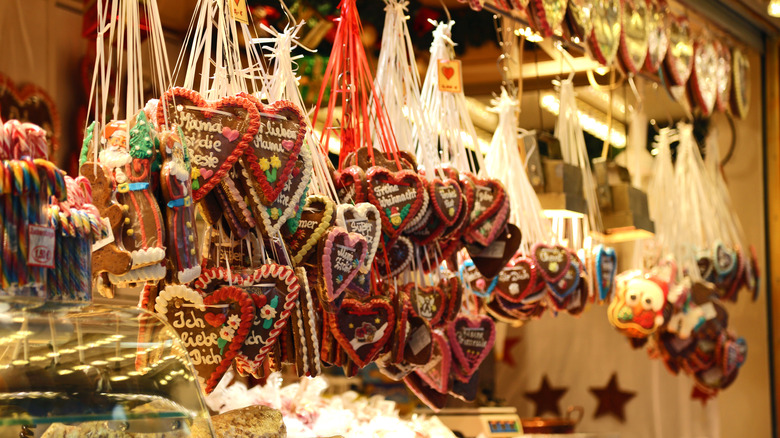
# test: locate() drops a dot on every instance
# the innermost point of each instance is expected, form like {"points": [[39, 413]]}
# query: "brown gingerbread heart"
{"points": [[363, 328], [212, 329], [397, 195], [317, 217], [217, 133]]}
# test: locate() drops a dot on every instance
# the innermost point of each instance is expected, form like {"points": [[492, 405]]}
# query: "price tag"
{"points": [[106, 240], [239, 11], [450, 77], [41, 246]]}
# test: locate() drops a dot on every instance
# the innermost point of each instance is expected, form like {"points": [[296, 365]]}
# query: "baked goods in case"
{"points": [[250, 422]]}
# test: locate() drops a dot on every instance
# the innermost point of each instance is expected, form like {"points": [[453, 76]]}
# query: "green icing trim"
{"points": [[187, 164], [142, 138], [88, 136]]}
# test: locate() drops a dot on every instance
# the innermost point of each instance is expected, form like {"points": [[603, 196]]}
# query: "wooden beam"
{"points": [[772, 193]]}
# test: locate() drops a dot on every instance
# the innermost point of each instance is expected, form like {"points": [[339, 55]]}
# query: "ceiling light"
{"points": [[774, 8]]}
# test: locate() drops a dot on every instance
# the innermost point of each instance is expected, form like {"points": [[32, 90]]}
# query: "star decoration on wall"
{"points": [[546, 398], [612, 401], [508, 345]]}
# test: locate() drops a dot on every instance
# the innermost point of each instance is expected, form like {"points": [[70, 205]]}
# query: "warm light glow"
{"points": [[593, 124], [774, 8]]}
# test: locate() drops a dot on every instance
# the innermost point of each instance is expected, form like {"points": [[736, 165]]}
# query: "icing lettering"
{"points": [[472, 337], [194, 322], [551, 255]]}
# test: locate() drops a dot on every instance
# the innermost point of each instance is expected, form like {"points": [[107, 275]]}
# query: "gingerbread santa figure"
{"points": [[176, 186]]}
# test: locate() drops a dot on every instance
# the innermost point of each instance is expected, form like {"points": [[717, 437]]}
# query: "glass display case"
{"points": [[101, 371]]}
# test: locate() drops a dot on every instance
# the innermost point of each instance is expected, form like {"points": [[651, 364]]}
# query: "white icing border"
{"points": [[295, 199], [138, 275], [189, 274], [148, 256], [176, 291]]}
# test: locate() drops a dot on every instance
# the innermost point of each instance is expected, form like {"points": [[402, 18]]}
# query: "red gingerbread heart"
{"points": [[436, 373], [272, 154], [471, 339], [429, 302], [211, 348], [518, 280], [274, 290], [489, 213], [342, 254], [397, 195], [350, 184], [363, 328], [552, 261], [446, 199], [318, 214], [203, 124]]}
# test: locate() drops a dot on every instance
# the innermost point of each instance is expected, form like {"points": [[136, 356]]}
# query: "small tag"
{"points": [[41, 246], [106, 240], [450, 78], [419, 339], [494, 251], [238, 10]]}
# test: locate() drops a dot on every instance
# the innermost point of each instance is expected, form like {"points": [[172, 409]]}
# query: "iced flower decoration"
{"points": [[267, 312], [276, 162], [274, 212], [264, 164], [227, 333], [234, 321]]}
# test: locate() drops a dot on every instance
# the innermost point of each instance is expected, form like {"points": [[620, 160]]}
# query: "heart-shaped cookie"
{"points": [[397, 258], [606, 268], [453, 289], [272, 154], [724, 259], [212, 329], [350, 184], [288, 203], [518, 280], [317, 217], [568, 283], [363, 219], [446, 199], [342, 253], [210, 130], [706, 266], [274, 290], [491, 260], [397, 195], [475, 281], [419, 343], [436, 373], [471, 339], [432, 398], [489, 213], [552, 261], [428, 302], [363, 328]]}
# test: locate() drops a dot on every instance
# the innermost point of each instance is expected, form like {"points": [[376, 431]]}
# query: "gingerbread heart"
{"points": [[432, 398], [606, 268], [363, 328], [446, 199], [568, 282], [342, 254], [436, 373], [475, 281], [552, 261], [390, 263], [272, 154], [363, 219], [215, 278], [517, 281], [724, 259], [489, 213], [428, 302], [217, 133], [397, 195], [288, 203], [471, 339], [491, 260], [317, 217], [419, 343], [212, 329], [274, 290], [350, 184]]}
